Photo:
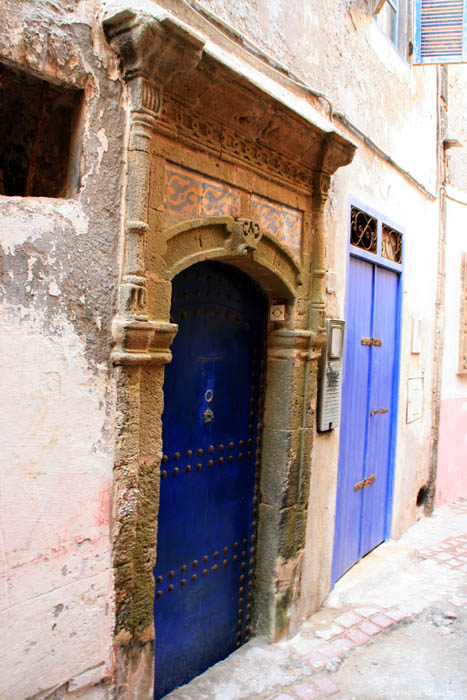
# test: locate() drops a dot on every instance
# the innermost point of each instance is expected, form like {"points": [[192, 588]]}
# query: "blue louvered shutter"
{"points": [[441, 31]]}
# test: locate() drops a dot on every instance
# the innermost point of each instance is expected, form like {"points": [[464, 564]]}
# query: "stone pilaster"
{"points": [[335, 152], [151, 50], [284, 480]]}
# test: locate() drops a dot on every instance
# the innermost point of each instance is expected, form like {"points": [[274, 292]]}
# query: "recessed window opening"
{"points": [[36, 134]]}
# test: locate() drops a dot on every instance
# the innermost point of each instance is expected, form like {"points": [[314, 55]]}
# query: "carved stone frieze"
{"points": [[180, 122]]}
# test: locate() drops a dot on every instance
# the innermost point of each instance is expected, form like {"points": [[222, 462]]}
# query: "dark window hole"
{"points": [[422, 495], [38, 153]]}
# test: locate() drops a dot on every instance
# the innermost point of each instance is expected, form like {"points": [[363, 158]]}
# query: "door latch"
{"points": [[377, 342], [379, 410], [365, 482], [208, 415]]}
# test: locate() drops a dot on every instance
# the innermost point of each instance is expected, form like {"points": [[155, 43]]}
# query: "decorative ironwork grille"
{"points": [[363, 230], [391, 244]]}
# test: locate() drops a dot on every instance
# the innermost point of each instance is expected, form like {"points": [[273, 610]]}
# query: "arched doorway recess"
{"points": [[209, 478]]}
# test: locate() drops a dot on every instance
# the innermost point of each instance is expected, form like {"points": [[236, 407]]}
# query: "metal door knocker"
{"points": [[208, 415]]}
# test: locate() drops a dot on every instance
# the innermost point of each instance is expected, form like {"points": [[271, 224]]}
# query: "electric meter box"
{"points": [[330, 376]]}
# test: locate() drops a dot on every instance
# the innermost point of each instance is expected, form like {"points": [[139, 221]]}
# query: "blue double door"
{"points": [[209, 473], [369, 404]]}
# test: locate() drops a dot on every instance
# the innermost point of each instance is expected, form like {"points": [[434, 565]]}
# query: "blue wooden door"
{"points": [[209, 471], [368, 408]]}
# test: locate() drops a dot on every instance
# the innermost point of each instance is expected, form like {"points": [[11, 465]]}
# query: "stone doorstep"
{"points": [[360, 581]]}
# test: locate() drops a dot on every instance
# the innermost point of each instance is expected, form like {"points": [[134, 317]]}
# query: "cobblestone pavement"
{"points": [[394, 627]]}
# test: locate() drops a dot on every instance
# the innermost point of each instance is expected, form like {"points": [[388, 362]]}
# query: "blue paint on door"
{"points": [[368, 406], [209, 472]]}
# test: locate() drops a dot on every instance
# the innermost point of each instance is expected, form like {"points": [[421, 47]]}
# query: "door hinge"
{"points": [[365, 482]]}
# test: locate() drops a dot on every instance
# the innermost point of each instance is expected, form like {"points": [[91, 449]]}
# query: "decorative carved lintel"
{"points": [[139, 342], [245, 236]]}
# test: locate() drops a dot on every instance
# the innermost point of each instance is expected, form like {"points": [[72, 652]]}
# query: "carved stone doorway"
{"points": [[272, 169]]}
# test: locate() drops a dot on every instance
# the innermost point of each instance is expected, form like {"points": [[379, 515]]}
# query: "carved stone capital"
{"points": [[139, 342], [321, 185], [335, 152], [152, 48], [145, 99], [286, 344], [245, 236], [132, 296]]}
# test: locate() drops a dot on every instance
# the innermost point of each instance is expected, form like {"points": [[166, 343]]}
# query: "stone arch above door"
{"points": [[243, 243], [239, 242]]}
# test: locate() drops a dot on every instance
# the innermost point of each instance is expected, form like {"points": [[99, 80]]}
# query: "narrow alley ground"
{"points": [[395, 626]]}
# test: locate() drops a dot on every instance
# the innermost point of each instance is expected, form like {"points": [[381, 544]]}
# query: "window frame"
{"points": [[403, 19]]}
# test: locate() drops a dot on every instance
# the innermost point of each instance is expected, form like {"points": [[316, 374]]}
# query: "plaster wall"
{"points": [[457, 126], [59, 272], [338, 49], [452, 449]]}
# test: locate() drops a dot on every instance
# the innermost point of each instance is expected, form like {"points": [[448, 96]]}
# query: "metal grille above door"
{"points": [[209, 472]]}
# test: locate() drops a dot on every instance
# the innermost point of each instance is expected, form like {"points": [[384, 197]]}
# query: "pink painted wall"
{"points": [[452, 451]]}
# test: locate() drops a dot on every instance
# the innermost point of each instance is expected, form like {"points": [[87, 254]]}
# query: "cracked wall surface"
{"points": [[59, 273]]}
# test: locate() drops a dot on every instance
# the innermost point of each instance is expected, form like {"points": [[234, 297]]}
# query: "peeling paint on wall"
{"points": [[54, 507]]}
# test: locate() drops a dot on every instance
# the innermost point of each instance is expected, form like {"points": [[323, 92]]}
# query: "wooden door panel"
{"points": [[383, 365], [354, 415]]}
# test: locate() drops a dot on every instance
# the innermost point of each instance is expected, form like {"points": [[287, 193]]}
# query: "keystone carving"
{"points": [[245, 236]]}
